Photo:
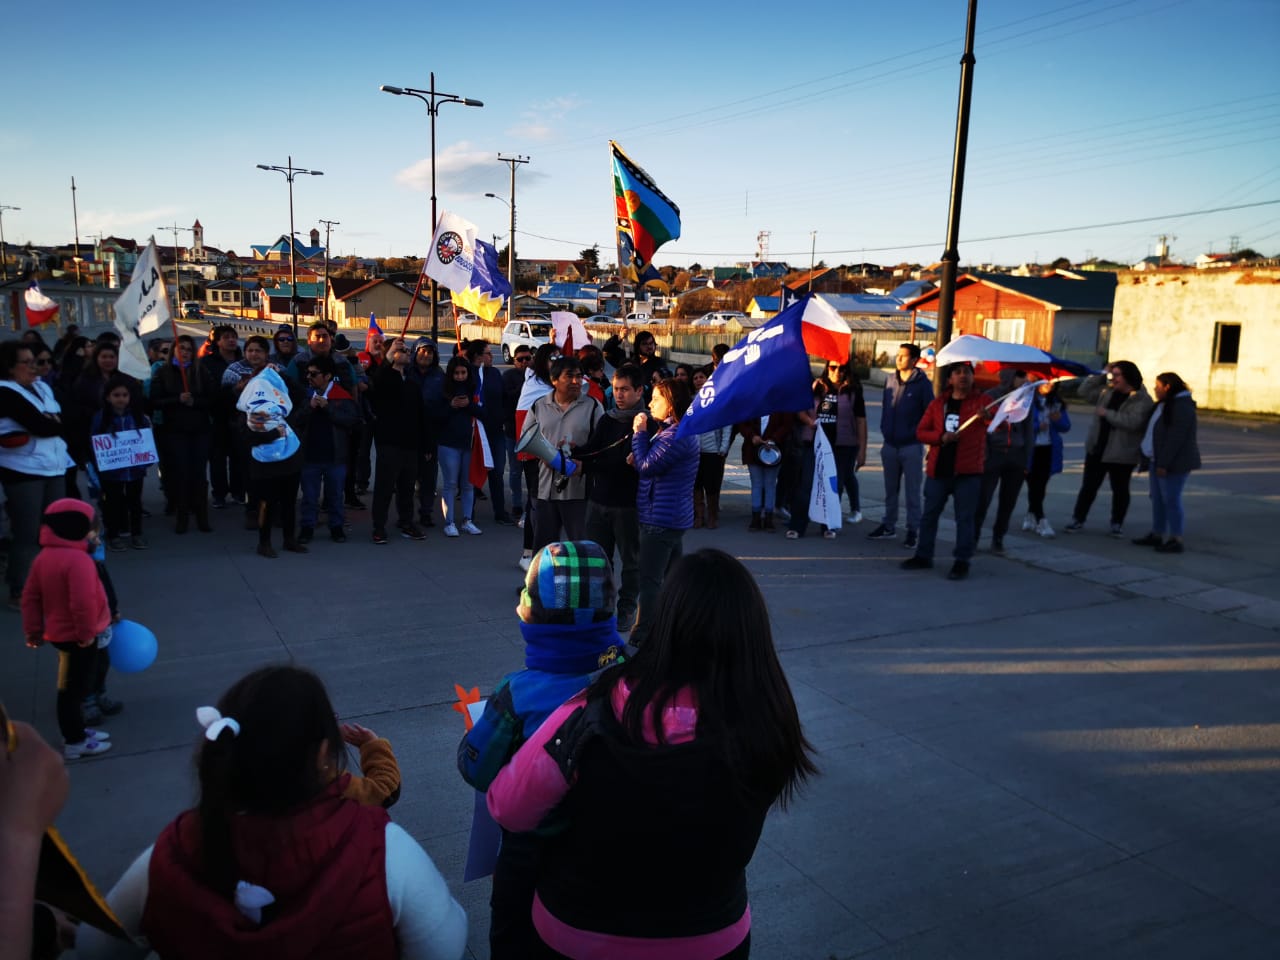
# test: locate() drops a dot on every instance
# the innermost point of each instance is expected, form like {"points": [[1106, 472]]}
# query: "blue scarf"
{"points": [[571, 648]]}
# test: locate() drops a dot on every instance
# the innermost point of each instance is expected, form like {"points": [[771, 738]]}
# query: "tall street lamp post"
{"points": [[290, 171], [432, 98]]}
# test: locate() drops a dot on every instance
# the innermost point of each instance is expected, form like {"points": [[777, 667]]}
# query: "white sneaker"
{"points": [[86, 750], [450, 530], [526, 563], [855, 517], [96, 734], [1044, 529], [1029, 522], [520, 522], [471, 528]]}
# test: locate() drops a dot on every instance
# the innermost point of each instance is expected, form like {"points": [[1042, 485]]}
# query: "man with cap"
{"points": [[570, 632]]}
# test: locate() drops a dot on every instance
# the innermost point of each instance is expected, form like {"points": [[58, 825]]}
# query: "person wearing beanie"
{"points": [[64, 603], [570, 631]]}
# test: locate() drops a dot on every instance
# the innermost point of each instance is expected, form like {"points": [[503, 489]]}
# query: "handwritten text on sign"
{"points": [[129, 448]]}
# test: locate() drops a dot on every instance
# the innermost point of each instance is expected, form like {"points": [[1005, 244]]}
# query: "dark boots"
{"points": [[755, 521], [200, 503], [699, 511], [182, 513], [713, 510], [767, 525]]}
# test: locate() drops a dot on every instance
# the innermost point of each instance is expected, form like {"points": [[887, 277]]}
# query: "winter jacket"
{"points": [[104, 421], [63, 600], [971, 446], [297, 370], [1128, 423], [491, 409], [611, 481], [777, 431], [667, 468], [684, 810], [30, 412], [453, 427], [167, 387], [512, 384], [1174, 436], [1040, 413], [902, 407], [558, 426], [399, 416], [325, 864], [326, 432]]}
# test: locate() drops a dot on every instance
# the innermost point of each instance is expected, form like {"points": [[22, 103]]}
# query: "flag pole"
{"points": [[409, 316]]}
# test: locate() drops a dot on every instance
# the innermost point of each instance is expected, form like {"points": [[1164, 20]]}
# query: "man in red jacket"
{"points": [[954, 467]]}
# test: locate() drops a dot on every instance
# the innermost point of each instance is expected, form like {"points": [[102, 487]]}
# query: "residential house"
{"points": [[276, 303], [571, 295], [545, 271], [351, 301], [1067, 313], [243, 298]]}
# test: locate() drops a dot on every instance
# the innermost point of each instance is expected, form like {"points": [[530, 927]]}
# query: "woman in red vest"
{"points": [[275, 861]]}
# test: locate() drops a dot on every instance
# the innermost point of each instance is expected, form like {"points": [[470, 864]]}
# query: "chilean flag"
{"points": [[481, 456], [40, 309], [373, 325], [825, 332]]}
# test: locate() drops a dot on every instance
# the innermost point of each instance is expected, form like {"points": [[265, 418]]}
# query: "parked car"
{"points": [[719, 318], [601, 318], [533, 332], [192, 309], [641, 318]]}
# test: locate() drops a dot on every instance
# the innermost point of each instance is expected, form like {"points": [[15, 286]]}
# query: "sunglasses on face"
{"points": [[523, 359], [284, 339]]}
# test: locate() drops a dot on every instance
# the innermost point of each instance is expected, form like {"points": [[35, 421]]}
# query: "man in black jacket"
{"points": [[491, 403], [612, 520], [400, 436]]}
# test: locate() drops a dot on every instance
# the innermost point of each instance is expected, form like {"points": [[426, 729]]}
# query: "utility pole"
{"points": [[4, 257], [75, 218], [328, 225], [177, 270], [512, 162], [813, 249]]}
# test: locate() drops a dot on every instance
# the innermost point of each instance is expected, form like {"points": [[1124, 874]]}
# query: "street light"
{"points": [[290, 171], [511, 247], [432, 98], [4, 257]]}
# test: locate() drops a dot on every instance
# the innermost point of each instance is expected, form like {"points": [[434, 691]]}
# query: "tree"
{"points": [[591, 257], [1062, 263], [695, 268], [681, 281]]}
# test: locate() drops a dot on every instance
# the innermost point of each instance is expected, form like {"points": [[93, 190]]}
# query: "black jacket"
{"points": [[611, 481], [399, 416]]}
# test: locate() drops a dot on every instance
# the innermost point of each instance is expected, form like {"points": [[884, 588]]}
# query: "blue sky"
{"points": [[836, 118]]}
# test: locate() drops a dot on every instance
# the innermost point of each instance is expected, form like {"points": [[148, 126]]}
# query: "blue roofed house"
{"points": [[275, 302], [279, 251], [571, 295]]}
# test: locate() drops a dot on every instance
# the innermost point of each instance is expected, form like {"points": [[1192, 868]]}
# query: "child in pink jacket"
{"points": [[63, 603]]}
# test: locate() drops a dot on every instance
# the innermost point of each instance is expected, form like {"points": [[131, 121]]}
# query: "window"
{"points": [[1007, 330], [1103, 346], [1226, 343]]}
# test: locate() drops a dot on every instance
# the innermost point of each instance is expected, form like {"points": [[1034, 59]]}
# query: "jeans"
{"points": [[453, 475], [1007, 474], [515, 473], [333, 476], [397, 468], [619, 527], [549, 516], [764, 486], [659, 548], [1038, 479], [25, 503], [903, 465], [1095, 471], [964, 491], [801, 492], [1166, 503], [847, 476]]}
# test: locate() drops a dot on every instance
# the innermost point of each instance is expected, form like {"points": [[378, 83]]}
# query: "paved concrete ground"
{"points": [[1075, 753]]}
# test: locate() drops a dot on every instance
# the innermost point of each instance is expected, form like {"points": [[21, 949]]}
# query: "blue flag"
{"points": [[768, 372], [373, 325]]}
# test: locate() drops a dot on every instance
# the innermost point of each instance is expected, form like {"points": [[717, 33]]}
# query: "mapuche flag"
{"points": [[646, 217]]}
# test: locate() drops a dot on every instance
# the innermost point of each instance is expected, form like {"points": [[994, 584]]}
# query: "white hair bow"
{"points": [[214, 723]]}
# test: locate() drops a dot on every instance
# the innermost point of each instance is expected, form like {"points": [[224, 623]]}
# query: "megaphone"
{"points": [[533, 442]]}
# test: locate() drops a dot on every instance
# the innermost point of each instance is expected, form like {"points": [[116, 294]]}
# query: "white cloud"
{"points": [[532, 131], [541, 120], [460, 167], [114, 222]]}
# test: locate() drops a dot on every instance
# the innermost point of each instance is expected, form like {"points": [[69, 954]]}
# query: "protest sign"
{"points": [[128, 448]]}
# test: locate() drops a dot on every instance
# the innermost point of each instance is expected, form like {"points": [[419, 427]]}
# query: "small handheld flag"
{"points": [[40, 309], [373, 326], [1014, 406]]}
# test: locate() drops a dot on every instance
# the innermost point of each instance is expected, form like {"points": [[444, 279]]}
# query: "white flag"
{"points": [[824, 500], [1015, 406], [452, 255], [144, 306]]}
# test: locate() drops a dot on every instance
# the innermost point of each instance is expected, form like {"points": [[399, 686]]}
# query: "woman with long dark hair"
{"points": [[453, 416], [536, 386], [696, 737], [1049, 421], [1170, 446], [276, 859], [667, 465], [185, 393], [842, 413]]}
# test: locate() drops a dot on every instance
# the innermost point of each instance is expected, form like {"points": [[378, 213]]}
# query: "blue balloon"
{"points": [[132, 648]]}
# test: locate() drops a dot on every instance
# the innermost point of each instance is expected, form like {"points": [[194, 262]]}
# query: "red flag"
{"points": [[481, 456]]}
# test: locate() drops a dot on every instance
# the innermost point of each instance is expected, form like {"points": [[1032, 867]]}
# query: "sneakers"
{"points": [[219, 503], [1150, 540], [917, 563], [306, 535], [96, 734], [1117, 531], [1029, 522], [912, 541], [828, 534], [1075, 526], [471, 528], [526, 561], [86, 750], [117, 545], [855, 517], [793, 534], [1170, 546], [379, 535], [882, 532], [959, 570], [1044, 529], [450, 530], [411, 531], [139, 543], [783, 514]]}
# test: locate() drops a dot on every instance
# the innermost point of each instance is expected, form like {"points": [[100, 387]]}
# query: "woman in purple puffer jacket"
{"points": [[667, 466]]}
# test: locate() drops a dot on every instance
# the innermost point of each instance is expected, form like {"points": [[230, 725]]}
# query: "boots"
{"points": [[713, 510], [755, 521], [181, 512], [201, 503], [767, 525], [699, 512]]}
